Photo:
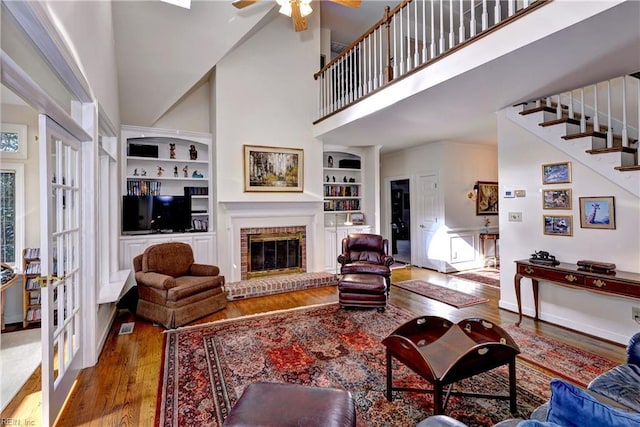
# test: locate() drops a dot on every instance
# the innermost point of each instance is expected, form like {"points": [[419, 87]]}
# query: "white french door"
{"points": [[60, 244]]}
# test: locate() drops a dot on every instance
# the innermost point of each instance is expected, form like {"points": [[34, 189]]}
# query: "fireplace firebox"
{"points": [[274, 252]]}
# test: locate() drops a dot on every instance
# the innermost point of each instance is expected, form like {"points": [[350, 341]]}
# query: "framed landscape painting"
{"points": [[556, 173], [273, 169], [557, 225], [597, 212]]}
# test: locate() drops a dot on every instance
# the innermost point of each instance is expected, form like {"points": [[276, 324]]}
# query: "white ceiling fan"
{"points": [[297, 9]]}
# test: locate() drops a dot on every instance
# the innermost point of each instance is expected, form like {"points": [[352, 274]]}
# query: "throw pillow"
{"points": [[571, 406]]}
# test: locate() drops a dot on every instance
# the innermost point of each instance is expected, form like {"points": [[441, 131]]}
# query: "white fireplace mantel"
{"points": [[239, 215]]}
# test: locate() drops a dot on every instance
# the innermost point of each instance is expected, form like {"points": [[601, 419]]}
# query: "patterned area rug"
{"points": [[439, 293], [487, 276], [558, 359], [206, 368]]}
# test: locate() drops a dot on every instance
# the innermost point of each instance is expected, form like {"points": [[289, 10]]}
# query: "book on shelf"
{"points": [[32, 285], [34, 314], [143, 187], [32, 253], [32, 268]]}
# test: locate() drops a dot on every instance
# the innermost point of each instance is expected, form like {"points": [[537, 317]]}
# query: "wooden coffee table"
{"points": [[443, 353]]}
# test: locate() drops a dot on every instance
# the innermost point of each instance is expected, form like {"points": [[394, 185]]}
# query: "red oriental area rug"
{"points": [[206, 368], [558, 359], [440, 293], [487, 276]]}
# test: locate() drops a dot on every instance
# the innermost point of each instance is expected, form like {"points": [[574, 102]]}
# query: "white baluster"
{"points": [[571, 115], [369, 56], [395, 49], [382, 61], [433, 30], [485, 15], [461, 32], [558, 108], [609, 128], [416, 51], [408, 34], [424, 31], [361, 68], [625, 134], [583, 117], [472, 21], [596, 119], [498, 13], [374, 39], [441, 47], [511, 7], [452, 37]]}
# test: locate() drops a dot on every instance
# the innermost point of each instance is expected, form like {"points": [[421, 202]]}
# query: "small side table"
{"points": [[491, 237]]}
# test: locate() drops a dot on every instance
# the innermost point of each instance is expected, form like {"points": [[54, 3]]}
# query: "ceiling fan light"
{"points": [[305, 8], [285, 8]]}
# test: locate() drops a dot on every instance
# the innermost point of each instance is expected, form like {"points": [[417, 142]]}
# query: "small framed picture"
{"points": [[557, 225], [597, 212], [357, 218], [487, 198], [556, 173], [559, 198]]}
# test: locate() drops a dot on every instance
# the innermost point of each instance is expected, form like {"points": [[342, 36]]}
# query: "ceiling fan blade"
{"points": [[240, 4], [299, 21], [354, 4]]}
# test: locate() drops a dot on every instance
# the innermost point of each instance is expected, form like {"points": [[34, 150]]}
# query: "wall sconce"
{"points": [[473, 194]]}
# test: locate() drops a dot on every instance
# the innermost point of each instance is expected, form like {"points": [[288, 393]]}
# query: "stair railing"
{"points": [[407, 38], [609, 107]]}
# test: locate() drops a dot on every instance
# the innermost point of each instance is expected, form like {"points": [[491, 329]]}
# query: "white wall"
{"points": [[521, 155], [88, 30], [265, 95], [192, 113], [458, 167]]}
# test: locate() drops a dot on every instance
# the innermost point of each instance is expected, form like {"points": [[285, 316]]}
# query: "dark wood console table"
{"points": [[622, 283]]}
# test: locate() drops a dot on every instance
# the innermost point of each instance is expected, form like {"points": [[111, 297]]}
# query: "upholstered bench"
{"points": [[283, 405], [363, 290]]}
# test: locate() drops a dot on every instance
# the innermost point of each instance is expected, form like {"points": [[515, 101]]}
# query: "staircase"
{"points": [[596, 125]]}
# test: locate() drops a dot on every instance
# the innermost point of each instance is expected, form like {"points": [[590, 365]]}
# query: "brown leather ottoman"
{"points": [[283, 405], [363, 290]]}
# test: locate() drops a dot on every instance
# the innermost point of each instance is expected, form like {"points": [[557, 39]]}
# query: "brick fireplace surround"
{"points": [[244, 244]]}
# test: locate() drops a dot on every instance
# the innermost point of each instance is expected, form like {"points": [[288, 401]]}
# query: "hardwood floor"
{"points": [[122, 388]]}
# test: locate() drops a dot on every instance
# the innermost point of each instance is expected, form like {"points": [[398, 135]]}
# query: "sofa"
{"points": [[611, 399]]}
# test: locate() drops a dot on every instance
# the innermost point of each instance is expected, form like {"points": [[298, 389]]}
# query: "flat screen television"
{"points": [[156, 214]]}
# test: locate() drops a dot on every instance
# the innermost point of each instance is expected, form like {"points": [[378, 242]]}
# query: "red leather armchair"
{"points": [[174, 290]]}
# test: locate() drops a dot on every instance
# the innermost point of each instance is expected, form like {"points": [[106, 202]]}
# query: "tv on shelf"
{"points": [[156, 214]]}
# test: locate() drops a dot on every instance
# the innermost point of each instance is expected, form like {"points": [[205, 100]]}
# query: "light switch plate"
{"points": [[515, 216], [520, 193]]}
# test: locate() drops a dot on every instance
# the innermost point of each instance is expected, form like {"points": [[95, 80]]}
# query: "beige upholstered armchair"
{"points": [[174, 290]]}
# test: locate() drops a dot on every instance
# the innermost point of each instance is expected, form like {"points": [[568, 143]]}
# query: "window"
{"points": [[11, 213], [13, 141]]}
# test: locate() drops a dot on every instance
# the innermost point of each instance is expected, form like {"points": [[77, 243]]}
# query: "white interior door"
{"points": [[60, 186], [427, 221]]}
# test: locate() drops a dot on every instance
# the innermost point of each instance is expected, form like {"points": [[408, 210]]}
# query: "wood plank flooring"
{"points": [[122, 388]]}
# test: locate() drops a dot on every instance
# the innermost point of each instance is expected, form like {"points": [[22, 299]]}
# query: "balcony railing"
{"points": [[408, 38]]}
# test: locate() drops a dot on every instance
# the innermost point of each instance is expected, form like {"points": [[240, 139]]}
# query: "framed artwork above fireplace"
{"points": [[274, 169]]}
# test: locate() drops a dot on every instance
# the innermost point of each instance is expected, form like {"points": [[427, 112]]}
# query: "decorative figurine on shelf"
{"points": [[172, 151], [344, 179], [185, 169], [327, 178], [160, 170], [135, 172], [196, 174], [334, 178], [175, 171], [193, 153], [352, 180], [143, 173], [330, 161]]}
